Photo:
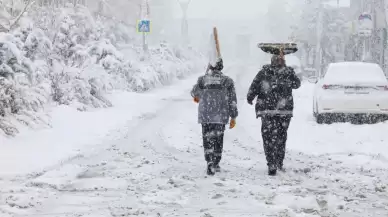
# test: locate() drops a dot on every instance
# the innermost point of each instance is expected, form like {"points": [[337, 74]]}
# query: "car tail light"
{"points": [[383, 87], [326, 86]]}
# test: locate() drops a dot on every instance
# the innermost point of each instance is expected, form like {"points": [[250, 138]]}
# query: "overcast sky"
{"points": [[223, 8], [230, 8], [342, 3]]}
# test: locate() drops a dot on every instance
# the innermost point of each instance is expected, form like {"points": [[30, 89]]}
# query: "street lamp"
{"points": [[319, 31], [185, 26]]}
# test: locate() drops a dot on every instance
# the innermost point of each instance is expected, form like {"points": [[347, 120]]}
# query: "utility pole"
{"points": [[385, 36], [185, 26], [318, 55]]}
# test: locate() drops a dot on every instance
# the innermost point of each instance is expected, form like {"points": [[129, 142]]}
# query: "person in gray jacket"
{"points": [[216, 95]]}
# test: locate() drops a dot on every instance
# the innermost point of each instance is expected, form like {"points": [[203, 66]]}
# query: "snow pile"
{"points": [[67, 56]]}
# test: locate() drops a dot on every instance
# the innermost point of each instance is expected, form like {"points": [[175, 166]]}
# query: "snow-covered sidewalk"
{"points": [[155, 166]]}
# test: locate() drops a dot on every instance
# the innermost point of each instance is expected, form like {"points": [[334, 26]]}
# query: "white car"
{"points": [[350, 89]]}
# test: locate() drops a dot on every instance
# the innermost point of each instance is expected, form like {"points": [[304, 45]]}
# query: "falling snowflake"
{"points": [[282, 103], [266, 86]]}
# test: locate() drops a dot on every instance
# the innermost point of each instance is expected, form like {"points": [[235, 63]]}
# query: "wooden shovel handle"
{"points": [[215, 32]]}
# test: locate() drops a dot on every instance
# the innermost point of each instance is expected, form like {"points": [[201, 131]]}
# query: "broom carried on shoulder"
{"points": [[215, 50]]}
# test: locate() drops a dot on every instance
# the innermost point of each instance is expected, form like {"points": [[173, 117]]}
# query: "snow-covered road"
{"points": [[156, 167]]}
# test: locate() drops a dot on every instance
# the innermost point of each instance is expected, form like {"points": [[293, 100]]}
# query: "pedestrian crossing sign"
{"points": [[143, 26]]}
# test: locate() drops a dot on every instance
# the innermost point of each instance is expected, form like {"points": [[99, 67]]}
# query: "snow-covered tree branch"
{"points": [[7, 21]]}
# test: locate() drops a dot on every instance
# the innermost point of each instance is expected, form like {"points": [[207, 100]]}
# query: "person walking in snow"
{"points": [[216, 95], [273, 87]]}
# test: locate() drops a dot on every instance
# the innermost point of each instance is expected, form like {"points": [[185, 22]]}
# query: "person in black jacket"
{"points": [[273, 87]]}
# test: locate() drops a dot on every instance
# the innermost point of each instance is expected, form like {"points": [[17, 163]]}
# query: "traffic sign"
{"points": [[143, 26], [365, 25], [364, 16]]}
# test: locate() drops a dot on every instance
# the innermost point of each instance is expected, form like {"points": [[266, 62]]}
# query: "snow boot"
{"points": [[210, 169], [272, 170], [280, 167], [217, 168]]}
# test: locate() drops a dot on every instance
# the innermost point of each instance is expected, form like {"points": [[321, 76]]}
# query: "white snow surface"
{"points": [[292, 60], [144, 157], [355, 73]]}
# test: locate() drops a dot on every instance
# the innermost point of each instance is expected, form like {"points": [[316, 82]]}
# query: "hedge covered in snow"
{"points": [[67, 56]]}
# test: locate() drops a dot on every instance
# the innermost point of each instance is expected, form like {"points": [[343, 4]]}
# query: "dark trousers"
{"points": [[274, 133], [213, 141]]}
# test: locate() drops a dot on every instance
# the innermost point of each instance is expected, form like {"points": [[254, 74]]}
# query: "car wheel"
{"points": [[320, 118], [356, 119], [373, 119]]}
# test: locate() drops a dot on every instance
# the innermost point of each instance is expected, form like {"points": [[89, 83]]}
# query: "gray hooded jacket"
{"points": [[217, 98]]}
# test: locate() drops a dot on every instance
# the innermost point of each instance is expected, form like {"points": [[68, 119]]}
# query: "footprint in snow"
{"points": [[219, 184], [217, 196], [87, 174], [147, 116], [233, 190], [305, 170]]}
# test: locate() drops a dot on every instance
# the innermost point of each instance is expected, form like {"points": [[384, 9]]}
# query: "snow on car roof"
{"points": [[354, 73]]}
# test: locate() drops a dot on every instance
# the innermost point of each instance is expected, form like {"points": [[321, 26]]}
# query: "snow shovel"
{"points": [[278, 48]]}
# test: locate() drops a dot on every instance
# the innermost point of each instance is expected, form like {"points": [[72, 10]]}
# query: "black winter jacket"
{"points": [[273, 88]]}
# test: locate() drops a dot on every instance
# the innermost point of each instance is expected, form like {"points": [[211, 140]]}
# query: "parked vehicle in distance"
{"points": [[350, 90]]}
